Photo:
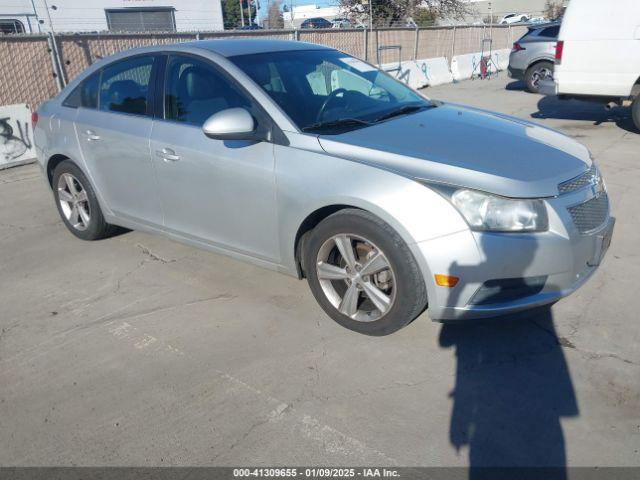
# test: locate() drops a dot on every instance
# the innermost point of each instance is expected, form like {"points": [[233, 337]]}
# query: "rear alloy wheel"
{"points": [[73, 201], [536, 73], [77, 203], [363, 274]]}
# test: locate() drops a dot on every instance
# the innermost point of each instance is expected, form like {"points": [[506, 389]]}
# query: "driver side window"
{"points": [[195, 90]]}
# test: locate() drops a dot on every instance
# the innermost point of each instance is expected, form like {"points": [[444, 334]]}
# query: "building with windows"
{"points": [[34, 16]]}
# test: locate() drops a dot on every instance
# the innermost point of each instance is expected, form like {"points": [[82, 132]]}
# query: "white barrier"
{"points": [[409, 72], [501, 58], [16, 136], [463, 66], [436, 70], [420, 73]]}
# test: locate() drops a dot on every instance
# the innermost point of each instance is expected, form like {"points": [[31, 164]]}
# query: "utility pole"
{"points": [[241, 13], [249, 8], [370, 14]]}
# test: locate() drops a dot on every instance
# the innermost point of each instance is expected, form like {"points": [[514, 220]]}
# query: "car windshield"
{"points": [[326, 91]]}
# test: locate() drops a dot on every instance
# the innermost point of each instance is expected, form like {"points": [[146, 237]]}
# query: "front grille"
{"points": [[591, 214], [590, 177]]}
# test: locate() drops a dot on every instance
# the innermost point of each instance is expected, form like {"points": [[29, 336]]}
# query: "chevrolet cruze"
{"points": [[308, 161]]}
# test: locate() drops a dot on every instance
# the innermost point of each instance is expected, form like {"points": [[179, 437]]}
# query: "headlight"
{"points": [[484, 211]]}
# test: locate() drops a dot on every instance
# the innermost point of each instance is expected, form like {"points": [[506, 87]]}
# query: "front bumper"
{"points": [[562, 257]]}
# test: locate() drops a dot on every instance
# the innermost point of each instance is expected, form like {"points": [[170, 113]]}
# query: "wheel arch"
{"points": [[540, 60], [52, 163], [319, 213], [307, 225]]}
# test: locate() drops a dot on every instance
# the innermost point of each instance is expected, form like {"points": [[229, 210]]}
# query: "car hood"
{"points": [[467, 147]]}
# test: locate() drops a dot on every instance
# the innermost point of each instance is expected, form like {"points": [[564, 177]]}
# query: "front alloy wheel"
{"points": [[362, 273], [356, 277]]}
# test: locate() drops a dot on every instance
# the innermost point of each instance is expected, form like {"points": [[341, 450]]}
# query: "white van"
{"points": [[598, 54]]}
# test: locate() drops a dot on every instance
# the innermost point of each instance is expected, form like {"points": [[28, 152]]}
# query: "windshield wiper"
{"points": [[401, 111], [342, 122]]}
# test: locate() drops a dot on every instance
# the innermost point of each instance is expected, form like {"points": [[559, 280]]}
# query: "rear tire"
{"points": [[635, 112], [535, 73], [77, 203], [374, 300]]}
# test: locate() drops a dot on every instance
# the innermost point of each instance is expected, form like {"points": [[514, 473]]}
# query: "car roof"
{"points": [[229, 47], [543, 25], [226, 47]]}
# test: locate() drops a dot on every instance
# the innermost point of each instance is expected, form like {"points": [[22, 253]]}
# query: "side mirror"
{"points": [[230, 124]]}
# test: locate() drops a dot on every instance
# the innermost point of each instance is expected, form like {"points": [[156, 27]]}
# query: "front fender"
{"points": [[311, 180]]}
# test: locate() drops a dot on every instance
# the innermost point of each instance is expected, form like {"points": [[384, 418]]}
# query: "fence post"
{"points": [[365, 33], [55, 61], [415, 47], [453, 44]]}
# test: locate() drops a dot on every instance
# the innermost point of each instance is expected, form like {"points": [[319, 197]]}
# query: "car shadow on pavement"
{"points": [[515, 85], [512, 383], [553, 107]]}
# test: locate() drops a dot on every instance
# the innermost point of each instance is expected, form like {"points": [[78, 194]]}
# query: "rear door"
{"points": [[114, 137], [220, 192]]}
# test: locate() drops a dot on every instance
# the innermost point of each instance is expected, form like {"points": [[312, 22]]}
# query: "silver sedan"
{"points": [[305, 160]]}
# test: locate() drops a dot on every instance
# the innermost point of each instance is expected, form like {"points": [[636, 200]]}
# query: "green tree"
{"points": [[424, 17], [231, 13]]}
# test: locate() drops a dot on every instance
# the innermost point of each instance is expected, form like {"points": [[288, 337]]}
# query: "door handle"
{"points": [[168, 154], [91, 135]]}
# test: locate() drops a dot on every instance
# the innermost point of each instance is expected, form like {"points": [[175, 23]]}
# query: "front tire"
{"points": [[77, 203], [635, 112], [537, 72], [362, 273]]}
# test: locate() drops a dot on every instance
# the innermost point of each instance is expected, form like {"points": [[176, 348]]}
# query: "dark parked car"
{"points": [[316, 23]]}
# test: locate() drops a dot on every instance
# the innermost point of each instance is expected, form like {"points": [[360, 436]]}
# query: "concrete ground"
{"points": [[140, 351]]}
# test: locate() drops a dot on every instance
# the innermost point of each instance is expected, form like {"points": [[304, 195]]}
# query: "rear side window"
{"points": [[125, 86], [86, 94], [550, 32]]}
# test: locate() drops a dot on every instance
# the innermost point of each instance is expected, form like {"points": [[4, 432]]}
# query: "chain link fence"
{"points": [[31, 73]]}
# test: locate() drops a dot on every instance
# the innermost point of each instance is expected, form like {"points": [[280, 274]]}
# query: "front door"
{"points": [[220, 192], [114, 137]]}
